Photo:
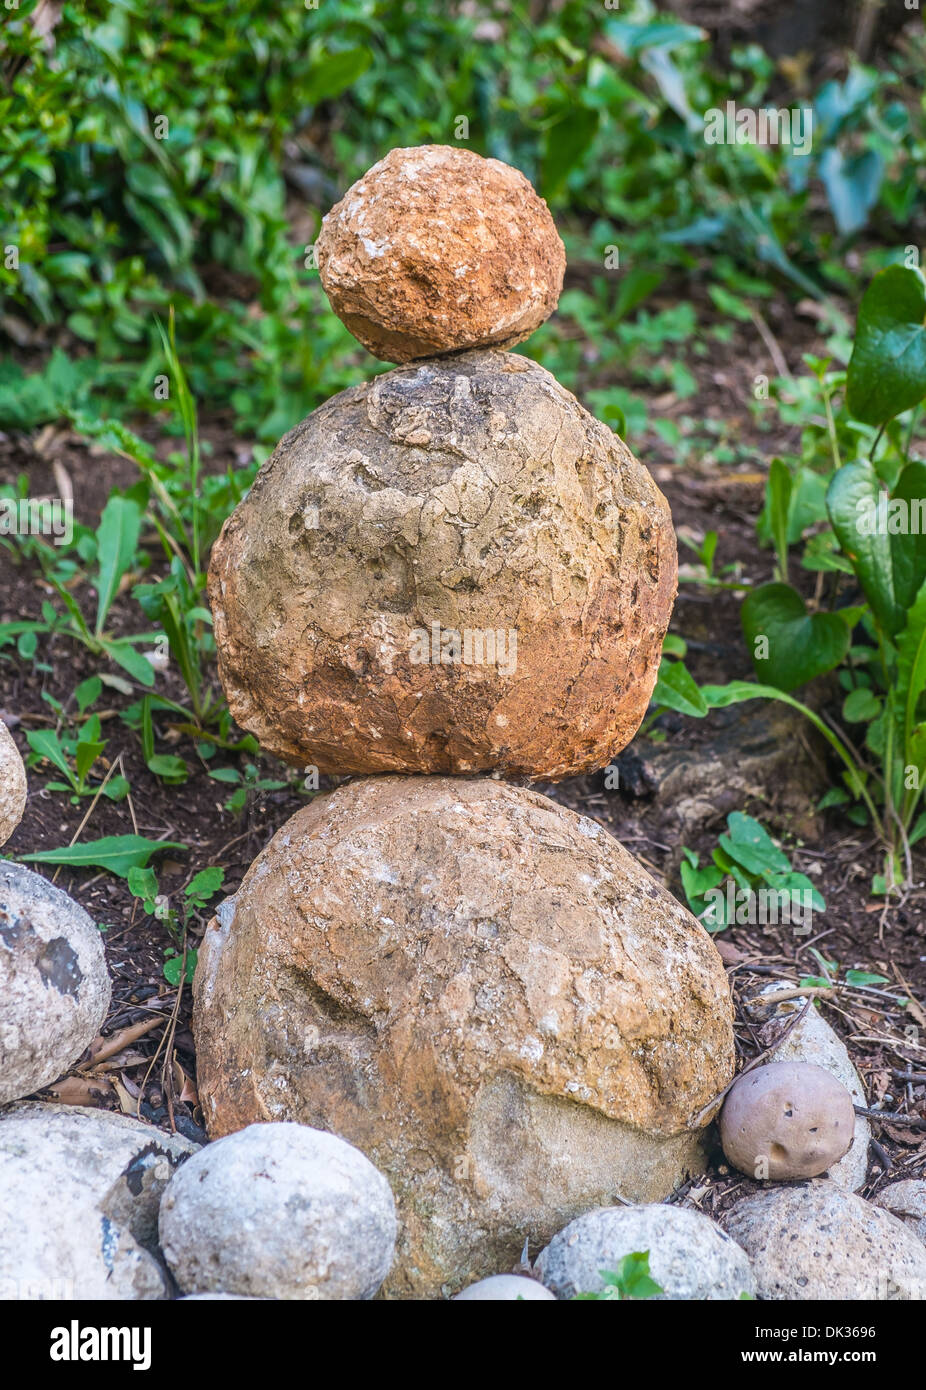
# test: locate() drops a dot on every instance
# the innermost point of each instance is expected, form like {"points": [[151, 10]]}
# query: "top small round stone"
{"points": [[437, 250]]}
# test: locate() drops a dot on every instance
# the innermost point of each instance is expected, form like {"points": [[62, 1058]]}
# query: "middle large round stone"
{"points": [[450, 568]]}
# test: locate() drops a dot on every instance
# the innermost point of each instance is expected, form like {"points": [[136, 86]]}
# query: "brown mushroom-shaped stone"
{"points": [[482, 991], [436, 249], [450, 568], [12, 785], [786, 1120]]}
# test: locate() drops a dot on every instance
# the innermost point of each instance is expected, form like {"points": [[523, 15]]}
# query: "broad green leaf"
{"points": [[749, 844], [852, 184], [85, 756], [117, 540], [143, 883], [860, 705], [677, 689], [333, 73], [206, 883], [798, 645], [865, 977], [887, 370], [114, 853], [852, 501], [168, 767], [565, 144], [88, 692], [174, 965]]}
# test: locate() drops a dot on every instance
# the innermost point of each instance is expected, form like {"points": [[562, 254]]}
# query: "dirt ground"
{"points": [[673, 792]]}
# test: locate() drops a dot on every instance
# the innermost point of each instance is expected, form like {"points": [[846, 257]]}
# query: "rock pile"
{"points": [[455, 569]]}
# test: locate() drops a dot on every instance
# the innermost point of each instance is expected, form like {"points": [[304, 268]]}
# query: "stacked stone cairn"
{"points": [[474, 1009], [448, 571]]}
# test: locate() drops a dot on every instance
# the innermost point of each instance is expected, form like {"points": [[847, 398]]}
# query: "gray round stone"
{"points": [[816, 1241], [54, 988], [689, 1256], [504, 1288], [79, 1197], [279, 1211]]}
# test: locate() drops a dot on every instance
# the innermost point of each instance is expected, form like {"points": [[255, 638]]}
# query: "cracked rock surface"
{"points": [[54, 986], [484, 993], [450, 568], [437, 249], [79, 1195]]}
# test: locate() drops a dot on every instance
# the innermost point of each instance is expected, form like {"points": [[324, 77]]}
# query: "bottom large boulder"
{"points": [[482, 991]]}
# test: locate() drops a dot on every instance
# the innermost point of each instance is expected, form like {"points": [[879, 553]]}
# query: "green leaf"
{"points": [[334, 73], [750, 845], [206, 883], [168, 767], [799, 645], [778, 501], [115, 853], [85, 756], [677, 689], [46, 744], [865, 977], [565, 144], [137, 665], [887, 370], [860, 706], [174, 965], [910, 681], [890, 565], [117, 540], [88, 692], [143, 883]]}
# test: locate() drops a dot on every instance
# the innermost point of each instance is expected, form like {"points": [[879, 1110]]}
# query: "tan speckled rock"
{"points": [[12, 785], [436, 249], [816, 1241], [484, 993], [417, 516]]}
